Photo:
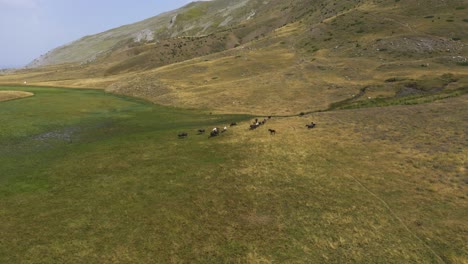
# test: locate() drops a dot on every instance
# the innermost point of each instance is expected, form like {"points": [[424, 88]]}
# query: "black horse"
{"points": [[182, 135], [272, 131], [201, 131]]}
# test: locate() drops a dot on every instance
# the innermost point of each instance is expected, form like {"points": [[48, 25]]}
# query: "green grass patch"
{"points": [[406, 100], [193, 13], [407, 92], [90, 152]]}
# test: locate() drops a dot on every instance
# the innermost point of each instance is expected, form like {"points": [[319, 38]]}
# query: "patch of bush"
{"points": [[448, 78], [394, 79], [406, 100]]}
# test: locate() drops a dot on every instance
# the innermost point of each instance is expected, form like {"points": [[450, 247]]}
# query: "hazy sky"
{"points": [[30, 28]]}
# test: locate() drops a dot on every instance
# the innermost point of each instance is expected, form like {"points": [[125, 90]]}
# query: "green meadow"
{"points": [[90, 177], [77, 160]]}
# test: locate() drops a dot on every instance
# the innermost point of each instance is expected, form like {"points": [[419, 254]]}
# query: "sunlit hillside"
{"points": [[288, 57]]}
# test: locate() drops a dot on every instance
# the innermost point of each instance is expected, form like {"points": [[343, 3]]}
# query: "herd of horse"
{"points": [[254, 125]]}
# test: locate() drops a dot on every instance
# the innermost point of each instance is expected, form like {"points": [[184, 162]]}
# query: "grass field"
{"points": [[89, 177]]}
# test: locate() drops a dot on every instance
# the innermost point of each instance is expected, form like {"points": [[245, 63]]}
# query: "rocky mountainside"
{"points": [[196, 19], [276, 56]]}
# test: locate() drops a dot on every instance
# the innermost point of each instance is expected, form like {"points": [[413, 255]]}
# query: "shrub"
{"points": [[394, 79], [448, 77]]}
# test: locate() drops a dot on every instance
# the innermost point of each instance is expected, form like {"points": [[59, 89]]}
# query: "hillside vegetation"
{"points": [[273, 57]]}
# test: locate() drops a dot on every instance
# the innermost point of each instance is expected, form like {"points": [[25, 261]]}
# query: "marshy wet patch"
{"points": [[80, 133]]}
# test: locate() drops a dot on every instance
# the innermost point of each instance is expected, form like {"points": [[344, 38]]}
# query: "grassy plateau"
{"points": [[90, 177]]}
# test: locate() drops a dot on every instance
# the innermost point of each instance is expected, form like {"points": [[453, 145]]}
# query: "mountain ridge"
{"points": [[162, 26]]}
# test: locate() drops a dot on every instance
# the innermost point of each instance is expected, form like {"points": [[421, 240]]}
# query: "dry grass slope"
{"points": [[303, 66], [11, 95]]}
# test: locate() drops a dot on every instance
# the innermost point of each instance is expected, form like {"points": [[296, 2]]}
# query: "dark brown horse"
{"points": [[311, 125], [272, 131], [214, 133]]}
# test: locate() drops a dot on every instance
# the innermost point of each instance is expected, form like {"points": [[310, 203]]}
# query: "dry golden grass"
{"points": [[11, 95], [275, 81], [385, 162]]}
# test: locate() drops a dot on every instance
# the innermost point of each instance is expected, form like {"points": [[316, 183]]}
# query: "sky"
{"points": [[30, 28]]}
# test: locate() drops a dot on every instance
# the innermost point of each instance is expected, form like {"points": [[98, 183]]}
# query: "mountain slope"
{"points": [[280, 57], [328, 55], [194, 19]]}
